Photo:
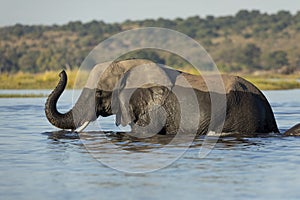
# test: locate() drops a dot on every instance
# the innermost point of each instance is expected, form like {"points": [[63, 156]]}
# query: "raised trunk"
{"points": [[63, 121]]}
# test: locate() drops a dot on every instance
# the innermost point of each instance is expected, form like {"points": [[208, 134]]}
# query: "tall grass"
{"points": [[48, 80], [274, 81]]}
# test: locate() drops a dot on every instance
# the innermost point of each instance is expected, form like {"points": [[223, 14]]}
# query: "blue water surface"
{"points": [[35, 164]]}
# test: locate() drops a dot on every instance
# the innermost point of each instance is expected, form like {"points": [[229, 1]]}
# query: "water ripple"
{"points": [[37, 161]]}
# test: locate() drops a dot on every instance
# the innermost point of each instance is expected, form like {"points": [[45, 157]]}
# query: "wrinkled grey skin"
{"points": [[294, 131], [247, 111]]}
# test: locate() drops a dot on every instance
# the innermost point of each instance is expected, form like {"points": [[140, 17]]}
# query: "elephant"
{"points": [[294, 131], [118, 88]]}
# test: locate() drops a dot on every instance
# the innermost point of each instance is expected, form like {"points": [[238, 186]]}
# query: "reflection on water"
{"points": [[65, 165], [126, 142], [117, 150], [129, 143]]}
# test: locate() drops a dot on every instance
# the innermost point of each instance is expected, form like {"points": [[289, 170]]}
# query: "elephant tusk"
{"points": [[82, 127]]}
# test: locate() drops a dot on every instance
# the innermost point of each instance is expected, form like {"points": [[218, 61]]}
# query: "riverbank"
{"points": [[48, 80], [22, 95], [274, 81]]}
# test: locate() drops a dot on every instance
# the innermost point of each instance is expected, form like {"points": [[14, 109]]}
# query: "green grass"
{"points": [[48, 80], [274, 81], [22, 95]]}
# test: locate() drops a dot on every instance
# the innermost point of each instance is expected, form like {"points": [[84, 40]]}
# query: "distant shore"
{"points": [[22, 95], [48, 80], [274, 81]]}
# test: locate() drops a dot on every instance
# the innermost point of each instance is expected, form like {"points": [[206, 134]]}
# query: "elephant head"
{"points": [[95, 98]]}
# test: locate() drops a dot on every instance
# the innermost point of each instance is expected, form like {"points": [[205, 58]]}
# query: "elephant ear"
{"points": [[123, 109], [120, 104], [142, 76]]}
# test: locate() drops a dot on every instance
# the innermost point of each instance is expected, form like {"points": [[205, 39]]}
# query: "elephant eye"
{"points": [[98, 94], [102, 95]]}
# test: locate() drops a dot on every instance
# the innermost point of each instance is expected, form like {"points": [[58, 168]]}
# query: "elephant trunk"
{"points": [[63, 121]]}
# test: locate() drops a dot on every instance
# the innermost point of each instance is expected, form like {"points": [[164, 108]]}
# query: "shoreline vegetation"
{"points": [[245, 42], [26, 80], [22, 95], [49, 79], [260, 47]]}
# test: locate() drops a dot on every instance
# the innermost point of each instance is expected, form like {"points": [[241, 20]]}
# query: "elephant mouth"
{"points": [[83, 122], [82, 127]]}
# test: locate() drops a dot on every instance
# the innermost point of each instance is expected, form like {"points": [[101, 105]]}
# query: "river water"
{"points": [[39, 162]]}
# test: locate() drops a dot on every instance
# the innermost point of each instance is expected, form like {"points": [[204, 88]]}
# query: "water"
{"points": [[36, 163]]}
